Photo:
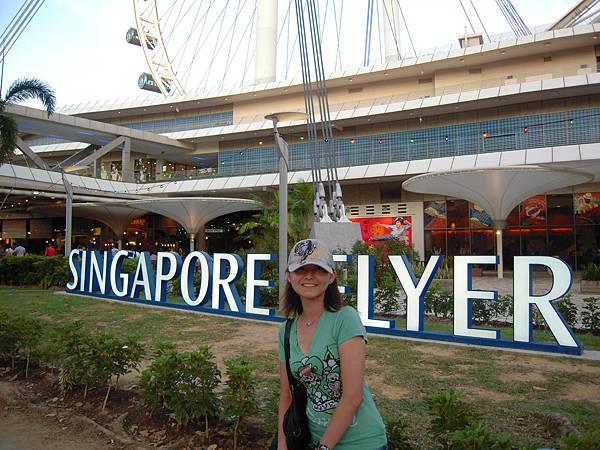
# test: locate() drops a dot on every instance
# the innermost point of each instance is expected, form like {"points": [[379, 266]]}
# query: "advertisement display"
{"points": [[14, 229], [587, 207], [533, 211], [478, 218], [377, 230], [435, 215]]}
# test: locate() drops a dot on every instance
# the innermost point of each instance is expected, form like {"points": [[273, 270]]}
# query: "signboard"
{"points": [[99, 275], [14, 229], [377, 230], [533, 211], [587, 208]]}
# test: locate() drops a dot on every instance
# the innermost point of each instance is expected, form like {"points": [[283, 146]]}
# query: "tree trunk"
{"points": [[27, 367], [106, 398], [85, 392], [235, 430]]}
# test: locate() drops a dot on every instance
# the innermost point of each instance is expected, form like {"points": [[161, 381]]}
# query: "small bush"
{"points": [[503, 307], [386, 295], [568, 310], [397, 435], [483, 311], [587, 441], [590, 314], [591, 272], [19, 336], [239, 397], [476, 436], [183, 383], [449, 414], [439, 302]]}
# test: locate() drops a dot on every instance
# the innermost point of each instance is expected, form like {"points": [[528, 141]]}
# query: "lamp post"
{"points": [[282, 150]]}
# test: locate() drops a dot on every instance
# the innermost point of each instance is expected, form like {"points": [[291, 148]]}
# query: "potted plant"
{"points": [[590, 279]]}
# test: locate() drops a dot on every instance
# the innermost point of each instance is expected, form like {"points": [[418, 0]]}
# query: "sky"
{"points": [[78, 46]]}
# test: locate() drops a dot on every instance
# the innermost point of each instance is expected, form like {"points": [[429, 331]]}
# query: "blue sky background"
{"points": [[79, 48]]}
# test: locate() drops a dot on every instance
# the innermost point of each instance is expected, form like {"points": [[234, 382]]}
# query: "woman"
{"points": [[327, 355]]}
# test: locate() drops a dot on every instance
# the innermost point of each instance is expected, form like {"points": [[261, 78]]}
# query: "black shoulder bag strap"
{"points": [[288, 327]]}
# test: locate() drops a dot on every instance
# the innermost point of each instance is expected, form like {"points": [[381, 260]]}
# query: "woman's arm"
{"points": [[285, 399], [352, 364]]}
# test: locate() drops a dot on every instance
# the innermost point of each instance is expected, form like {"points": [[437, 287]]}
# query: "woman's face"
{"points": [[310, 281]]}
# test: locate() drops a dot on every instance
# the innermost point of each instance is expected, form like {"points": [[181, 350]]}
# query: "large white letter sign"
{"points": [[524, 299], [119, 282], [464, 296], [75, 269], [171, 262], [222, 286], [187, 277], [144, 277], [83, 271], [99, 265], [414, 289], [253, 283], [364, 293]]}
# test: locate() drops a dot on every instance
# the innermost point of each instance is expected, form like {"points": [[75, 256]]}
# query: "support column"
{"points": [[499, 225], [68, 215], [391, 30], [266, 41], [97, 168], [126, 167], [120, 244], [192, 241]]}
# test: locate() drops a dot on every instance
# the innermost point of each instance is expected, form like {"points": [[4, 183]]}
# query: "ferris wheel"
{"points": [[191, 46]]}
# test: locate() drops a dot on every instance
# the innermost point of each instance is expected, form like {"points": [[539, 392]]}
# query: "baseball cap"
{"points": [[310, 251]]}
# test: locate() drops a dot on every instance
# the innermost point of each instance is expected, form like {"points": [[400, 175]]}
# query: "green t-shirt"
{"points": [[319, 371]]}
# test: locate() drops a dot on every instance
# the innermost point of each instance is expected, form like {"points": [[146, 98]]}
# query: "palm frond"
{"points": [[8, 138], [30, 88]]}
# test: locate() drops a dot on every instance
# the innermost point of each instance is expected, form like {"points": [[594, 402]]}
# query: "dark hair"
{"points": [[291, 304]]}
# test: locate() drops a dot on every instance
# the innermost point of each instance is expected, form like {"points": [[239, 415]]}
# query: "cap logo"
{"points": [[304, 249]]}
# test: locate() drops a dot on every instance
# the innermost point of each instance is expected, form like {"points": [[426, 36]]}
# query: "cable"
{"points": [[407, 30], [480, 21], [369, 25], [467, 16]]}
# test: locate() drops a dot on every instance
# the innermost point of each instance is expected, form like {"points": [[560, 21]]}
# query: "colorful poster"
{"points": [[378, 230], [478, 218], [533, 211], [435, 215], [587, 207]]}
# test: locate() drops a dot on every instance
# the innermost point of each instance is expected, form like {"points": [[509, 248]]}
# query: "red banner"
{"points": [[377, 230]]}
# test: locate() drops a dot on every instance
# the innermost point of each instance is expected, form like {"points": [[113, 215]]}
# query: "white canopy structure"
{"points": [[192, 213], [497, 189]]}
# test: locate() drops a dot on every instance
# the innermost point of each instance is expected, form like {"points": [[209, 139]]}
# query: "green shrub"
{"points": [[386, 297], [591, 272], [587, 441], [396, 435], [449, 414], [439, 302], [19, 336], [183, 383], [568, 310], [590, 314], [34, 270], [483, 311], [476, 436], [503, 307], [91, 361], [239, 397], [115, 357]]}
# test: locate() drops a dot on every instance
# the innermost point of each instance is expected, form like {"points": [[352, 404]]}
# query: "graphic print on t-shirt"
{"points": [[322, 380]]}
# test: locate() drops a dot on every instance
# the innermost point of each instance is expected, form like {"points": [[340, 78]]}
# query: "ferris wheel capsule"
{"points": [[146, 82], [133, 37]]}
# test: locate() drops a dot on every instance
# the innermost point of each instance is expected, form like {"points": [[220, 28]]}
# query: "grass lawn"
{"points": [[513, 392]]}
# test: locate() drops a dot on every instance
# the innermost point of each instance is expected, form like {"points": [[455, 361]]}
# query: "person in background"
{"points": [[9, 250], [49, 250], [327, 355], [19, 250]]}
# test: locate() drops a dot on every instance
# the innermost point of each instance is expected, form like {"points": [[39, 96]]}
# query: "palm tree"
{"points": [[21, 90], [263, 231]]}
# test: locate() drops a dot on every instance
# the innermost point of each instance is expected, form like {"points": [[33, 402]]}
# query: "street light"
{"points": [[282, 150]]}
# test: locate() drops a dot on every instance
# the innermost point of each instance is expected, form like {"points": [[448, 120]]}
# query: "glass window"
{"points": [[458, 213], [560, 209]]}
